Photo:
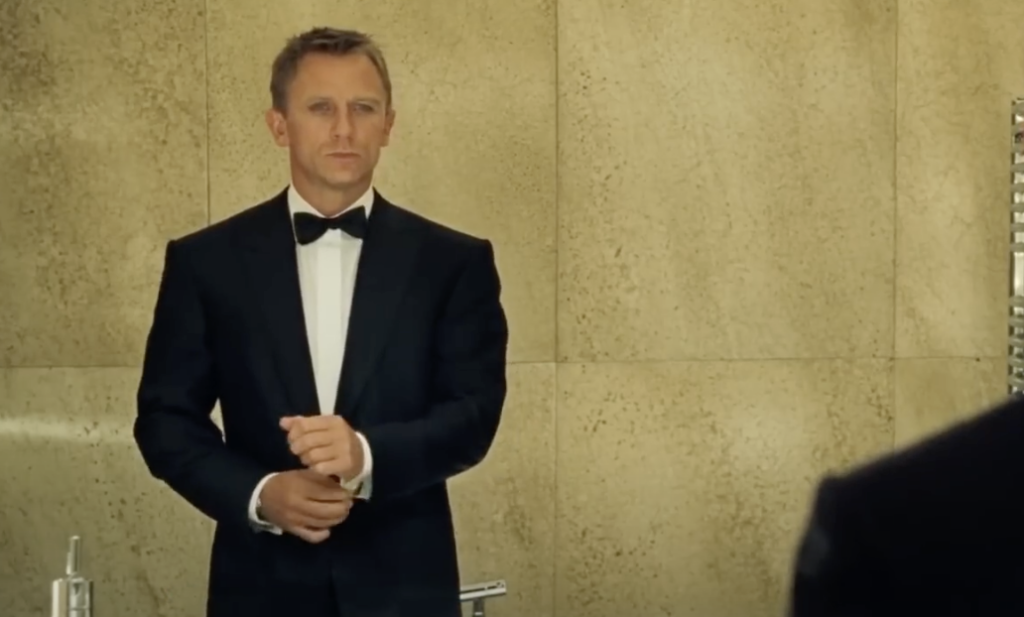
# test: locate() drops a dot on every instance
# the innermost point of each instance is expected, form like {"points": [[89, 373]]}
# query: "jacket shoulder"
{"points": [[441, 236], [219, 233], [974, 461], [991, 437]]}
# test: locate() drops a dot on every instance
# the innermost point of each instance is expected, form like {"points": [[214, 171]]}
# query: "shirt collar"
{"points": [[296, 203]]}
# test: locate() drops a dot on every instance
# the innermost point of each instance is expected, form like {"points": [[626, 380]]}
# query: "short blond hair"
{"points": [[324, 41]]}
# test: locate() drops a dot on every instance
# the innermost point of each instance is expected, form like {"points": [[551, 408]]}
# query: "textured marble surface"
{"points": [[71, 467], [474, 140], [682, 487], [932, 394], [504, 509], [823, 184], [102, 159], [960, 65], [726, 179]]}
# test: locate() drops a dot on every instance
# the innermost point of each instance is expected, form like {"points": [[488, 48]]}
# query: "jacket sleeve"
{"points": [[176, 436], [469, 385]]}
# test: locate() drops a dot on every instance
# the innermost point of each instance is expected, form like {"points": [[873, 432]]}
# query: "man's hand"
{"points": [[304, 503], [325, 444]]}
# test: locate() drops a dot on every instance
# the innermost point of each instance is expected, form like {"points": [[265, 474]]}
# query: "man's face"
{"points": [[336, 122]]}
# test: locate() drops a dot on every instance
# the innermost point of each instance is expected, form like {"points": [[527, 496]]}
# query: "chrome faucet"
{"points": [[71, 595]]}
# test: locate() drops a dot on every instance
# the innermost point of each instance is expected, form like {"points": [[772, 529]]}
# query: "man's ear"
{"points": [[278, 127], [389, 123]]}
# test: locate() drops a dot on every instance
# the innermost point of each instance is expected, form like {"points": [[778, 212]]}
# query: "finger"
{"points": [[312, 480], [331, 494], [327, 465], [305, 424], [318, 514], [335, 469], [329, 481], [322, 454], [294, 424], [313, 536], [323, 524], [315, 482], [300, 444], [326, 522], [323, 421], [288, 422]]}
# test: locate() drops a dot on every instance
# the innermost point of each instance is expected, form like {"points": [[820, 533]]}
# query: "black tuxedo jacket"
{"points": [[423, 380], [936, 529]]}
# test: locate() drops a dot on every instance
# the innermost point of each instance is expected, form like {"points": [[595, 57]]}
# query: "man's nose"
{"points": [[342, 124]]}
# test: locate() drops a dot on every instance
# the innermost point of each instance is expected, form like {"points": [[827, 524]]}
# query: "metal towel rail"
{"points": [[71, 595], [1015, 355], [479, 593]]}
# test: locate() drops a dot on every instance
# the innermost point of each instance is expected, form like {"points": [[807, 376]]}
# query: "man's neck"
{"points": [[330, 202]]}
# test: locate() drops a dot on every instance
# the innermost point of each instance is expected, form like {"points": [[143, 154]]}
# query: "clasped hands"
{"points": [[325, 444], [308, 502]]}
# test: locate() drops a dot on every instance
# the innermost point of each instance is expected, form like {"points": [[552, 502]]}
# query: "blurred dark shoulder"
{"points": [[936, 527], [968, 458]]}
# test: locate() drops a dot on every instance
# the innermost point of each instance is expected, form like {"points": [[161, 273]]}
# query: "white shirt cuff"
{"points": [[363, 483], [257, 523]]}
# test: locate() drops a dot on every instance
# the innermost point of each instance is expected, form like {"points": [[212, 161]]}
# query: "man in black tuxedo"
{"points": [[935, 529], [358, 354]]}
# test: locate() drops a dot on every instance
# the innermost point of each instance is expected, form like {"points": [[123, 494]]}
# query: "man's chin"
{"points": [[346, 182]]}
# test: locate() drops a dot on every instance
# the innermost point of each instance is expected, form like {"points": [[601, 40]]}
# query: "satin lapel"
{"points": [[268, 251], [387, 262]]}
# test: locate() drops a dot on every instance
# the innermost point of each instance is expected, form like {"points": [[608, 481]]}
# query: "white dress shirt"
{"points": [[327, 276]]}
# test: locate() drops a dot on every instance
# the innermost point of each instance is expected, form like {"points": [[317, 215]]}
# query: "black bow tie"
{"points": [[309, 227]]}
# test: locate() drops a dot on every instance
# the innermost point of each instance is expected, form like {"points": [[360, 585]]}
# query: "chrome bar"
{"points": [[1015, 317], [71, 595], [479, 593]]}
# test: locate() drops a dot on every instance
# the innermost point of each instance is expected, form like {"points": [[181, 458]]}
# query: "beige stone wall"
{"points": [[743, 242]]}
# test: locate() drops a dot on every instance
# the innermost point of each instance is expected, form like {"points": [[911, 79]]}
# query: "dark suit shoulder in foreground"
{"points": [[936, 528]]}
